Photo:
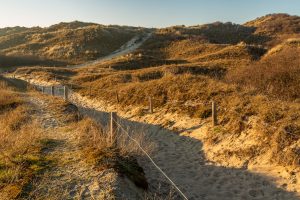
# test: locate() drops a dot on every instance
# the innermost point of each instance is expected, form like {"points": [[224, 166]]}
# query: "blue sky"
{"points": [[149, 13]]}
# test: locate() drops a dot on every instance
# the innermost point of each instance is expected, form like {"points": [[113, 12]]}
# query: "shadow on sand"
{"points": [[183, 160]]}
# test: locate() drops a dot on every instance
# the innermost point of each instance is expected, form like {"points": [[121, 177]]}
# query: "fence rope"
{"points": [[149, 157]]}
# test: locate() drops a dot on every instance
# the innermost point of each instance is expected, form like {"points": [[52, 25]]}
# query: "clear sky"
{"points": [[148, 13]]}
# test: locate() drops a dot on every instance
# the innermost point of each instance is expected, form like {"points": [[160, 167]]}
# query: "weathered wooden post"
{"points": [[65, 93], [214, 113], [113, 127], [52, 90], [150, 105]]}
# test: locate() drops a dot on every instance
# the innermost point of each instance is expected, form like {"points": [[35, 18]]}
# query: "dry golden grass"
{"points": [[183, 92], [46, 73], [9, 99], [188, 93], [278, 121], [15, 61], [183, 69], [20, 147], [62, 43], [277, 75], [276, 24], [118, 154]]}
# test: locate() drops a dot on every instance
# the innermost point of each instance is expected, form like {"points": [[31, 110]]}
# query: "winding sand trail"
{"points": [[69, 176], [182, 159], [128, 47]]}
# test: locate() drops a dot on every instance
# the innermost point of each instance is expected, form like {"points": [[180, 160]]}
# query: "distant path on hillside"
{"points": [[128, 47]]}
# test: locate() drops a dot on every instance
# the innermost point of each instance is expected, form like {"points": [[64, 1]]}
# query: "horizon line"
{"points": [[139, 26]]}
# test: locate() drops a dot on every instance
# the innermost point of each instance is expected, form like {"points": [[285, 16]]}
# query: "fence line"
{"points": [[214, 105], [214, 122], [186, 103], [149, 157], [113, 120], [64, 92]]}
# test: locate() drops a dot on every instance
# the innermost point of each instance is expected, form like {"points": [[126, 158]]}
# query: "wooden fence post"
{"points": [[52, 90], [113, 126], [65, 93], [214, 113], [150, 105]]}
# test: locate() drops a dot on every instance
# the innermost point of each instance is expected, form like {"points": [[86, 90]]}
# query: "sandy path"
{"points": [[129, 47], [71, 177], [183, 160]]}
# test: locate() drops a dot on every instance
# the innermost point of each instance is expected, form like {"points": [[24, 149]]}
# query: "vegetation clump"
{"points": [[21, 145]]}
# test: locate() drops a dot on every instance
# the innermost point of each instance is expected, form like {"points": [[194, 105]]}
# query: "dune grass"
{"points": [[185, 68], [119, 154], [20, 145]]}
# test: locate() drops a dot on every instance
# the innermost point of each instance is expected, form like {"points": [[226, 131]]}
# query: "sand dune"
{"points": [[183, 160]]}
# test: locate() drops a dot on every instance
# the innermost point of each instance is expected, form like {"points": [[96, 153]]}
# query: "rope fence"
{"points": [[65, 92], [149, 157]]}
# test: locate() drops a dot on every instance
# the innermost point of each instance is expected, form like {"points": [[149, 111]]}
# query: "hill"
{"points": [[250, 71], [276, 27], [73, 42], [276, 24], [78, 42]]}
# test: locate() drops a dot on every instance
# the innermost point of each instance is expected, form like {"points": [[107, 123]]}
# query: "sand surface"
{"points": [[71, 177], [183, 159]]}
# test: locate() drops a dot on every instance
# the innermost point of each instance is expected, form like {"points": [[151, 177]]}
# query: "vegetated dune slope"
{"points": [[252, 71], [39, 133], [73, 42]]}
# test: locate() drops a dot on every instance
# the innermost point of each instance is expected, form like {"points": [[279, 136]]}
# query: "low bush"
{"points": [[277, 76]]}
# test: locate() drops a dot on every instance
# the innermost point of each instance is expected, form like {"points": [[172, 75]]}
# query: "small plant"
{"points": [[120, 155]]}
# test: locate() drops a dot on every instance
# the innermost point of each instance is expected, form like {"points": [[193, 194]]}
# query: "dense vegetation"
{"points": [[65, 42]]}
